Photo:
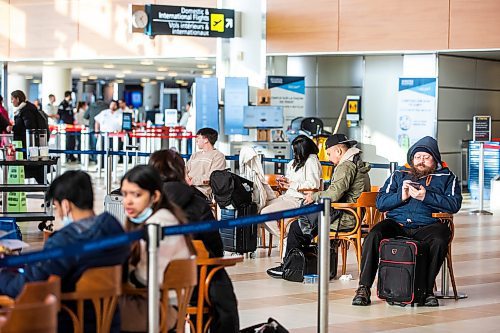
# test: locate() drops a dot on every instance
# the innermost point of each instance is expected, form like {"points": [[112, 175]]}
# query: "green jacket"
{"points": [[350, 178]]}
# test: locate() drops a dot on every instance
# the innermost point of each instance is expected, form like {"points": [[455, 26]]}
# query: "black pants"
{"points": [[70, 145], [436, 235], [303, 231]]}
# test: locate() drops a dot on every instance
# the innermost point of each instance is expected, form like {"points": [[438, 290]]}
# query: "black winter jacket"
{"points": [[443, 192], [28, 118], [197, 209]]}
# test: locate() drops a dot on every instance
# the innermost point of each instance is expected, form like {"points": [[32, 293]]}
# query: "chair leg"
{"points": [[358, 254], [269, 250], [282, 237], [263, 237], [344, 246], [452, 275]]}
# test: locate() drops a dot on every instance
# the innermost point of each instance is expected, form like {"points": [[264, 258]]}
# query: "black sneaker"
{"points": [[276, 272], [362, 297], [431, 301]]}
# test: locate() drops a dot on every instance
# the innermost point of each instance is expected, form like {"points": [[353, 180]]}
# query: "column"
{"points": [[151, 95], [55, 80], [15, 82]]}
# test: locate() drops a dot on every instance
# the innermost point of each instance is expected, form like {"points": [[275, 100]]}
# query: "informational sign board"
{"points": [[417, 115], [290, 93], [235, 99], [189, 21], [170, 117], [263, 116], [482, 128], [353, 108], [207, 103]]}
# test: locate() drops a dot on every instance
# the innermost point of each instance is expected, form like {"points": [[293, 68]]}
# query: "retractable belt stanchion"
{"points": [[99, 157], [109, 176], [393, 166], [85, 145], [324, 266], [115, 159], [153, 232]]}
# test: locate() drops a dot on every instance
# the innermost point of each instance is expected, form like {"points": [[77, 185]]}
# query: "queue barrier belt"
{"points": [[82, 248]]}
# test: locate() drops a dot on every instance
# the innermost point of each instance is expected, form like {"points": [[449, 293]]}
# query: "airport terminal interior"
{"points": [[112, 81]]}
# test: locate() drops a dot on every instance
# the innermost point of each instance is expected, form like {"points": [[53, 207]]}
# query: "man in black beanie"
{"points": [[411, 194]]}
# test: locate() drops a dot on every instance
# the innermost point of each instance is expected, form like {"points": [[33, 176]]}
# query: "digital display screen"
{"points": [[263, 116], [127, 121]]}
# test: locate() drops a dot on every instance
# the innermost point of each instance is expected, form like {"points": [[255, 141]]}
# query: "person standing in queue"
{"points": [[65, 112], [145, 203]]}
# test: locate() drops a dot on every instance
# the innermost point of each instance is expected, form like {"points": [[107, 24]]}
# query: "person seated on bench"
{"points": [[302, 172], [409, 196], [205, 161], [145, 203], [74, 204], [194, 204], [349, 179]]}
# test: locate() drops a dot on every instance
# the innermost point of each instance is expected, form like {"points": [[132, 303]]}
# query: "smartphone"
{"points": [[415, 185]]}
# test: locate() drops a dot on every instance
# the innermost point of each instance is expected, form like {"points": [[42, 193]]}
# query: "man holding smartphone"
{"points": [[412, 193]]}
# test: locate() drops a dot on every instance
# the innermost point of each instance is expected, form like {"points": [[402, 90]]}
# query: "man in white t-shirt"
{"points": [[51, 110], [109, 120]]}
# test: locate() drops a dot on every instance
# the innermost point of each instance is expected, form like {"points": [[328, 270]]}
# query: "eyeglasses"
{"points": [[425, 157]]}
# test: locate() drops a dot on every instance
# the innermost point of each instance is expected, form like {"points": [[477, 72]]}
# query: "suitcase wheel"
{"points": [[252, 255]]}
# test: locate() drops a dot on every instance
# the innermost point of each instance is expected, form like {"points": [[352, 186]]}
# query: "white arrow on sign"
{"points": [[229, 23]]}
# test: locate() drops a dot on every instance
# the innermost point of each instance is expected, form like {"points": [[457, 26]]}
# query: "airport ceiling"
{"points": [[129, 70]]}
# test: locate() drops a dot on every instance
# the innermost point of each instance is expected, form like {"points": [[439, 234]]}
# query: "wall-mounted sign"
{"points": [[353, 108], [189, 21], [417, 111], [235, 99], [290, 93], [482, 128], [207, 103]]}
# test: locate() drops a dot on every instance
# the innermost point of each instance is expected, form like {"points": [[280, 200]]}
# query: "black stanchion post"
{"points": [[153, 232], [324, 266]]}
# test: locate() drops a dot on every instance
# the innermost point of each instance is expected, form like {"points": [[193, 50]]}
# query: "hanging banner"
{"points": [[417, 113], [207, 103], [290, 93], [235, 99]]}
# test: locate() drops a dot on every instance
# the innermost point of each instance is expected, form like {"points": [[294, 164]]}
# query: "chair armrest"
{"points": [[308, 190], [226, 261], [442, 215], [343, 205], [7, 302]]}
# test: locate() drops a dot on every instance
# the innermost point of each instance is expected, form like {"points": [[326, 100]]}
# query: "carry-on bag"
{"points": [[402, 272], [304, 261], [113, 204], [240, 239], [272, 326]]}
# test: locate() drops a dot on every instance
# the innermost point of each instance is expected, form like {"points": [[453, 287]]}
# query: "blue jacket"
{"points": [[443, 192], [69, 269]]}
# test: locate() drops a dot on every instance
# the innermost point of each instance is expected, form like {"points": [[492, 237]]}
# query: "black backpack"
{"points": [[304, 261], [230, 189]]}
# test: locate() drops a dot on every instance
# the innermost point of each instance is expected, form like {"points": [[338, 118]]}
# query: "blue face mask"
{"points": [[142, 217], [66, 220]]}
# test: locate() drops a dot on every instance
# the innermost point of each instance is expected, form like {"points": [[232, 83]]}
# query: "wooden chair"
{"points": [[448, 219], [33, 317], [181, 276], [272, 181], [35, 292], [375, 188], [102, 286], [364, 212], [208, 267]]}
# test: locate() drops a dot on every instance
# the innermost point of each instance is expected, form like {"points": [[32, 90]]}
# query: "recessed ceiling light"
{"points": [[184, 84], [37, 81], [160, 78], [92, 77], [120, 75], [29, 77], [145, 79], [84, 74], [201, 58], [147, 62], [108, 66], [208, 72], [179, 81], [202, 66], [48, 63], [153, 82], [205, 76], [162, 69], [119, 81], [84, 79], [172, 74], [127, 71]]}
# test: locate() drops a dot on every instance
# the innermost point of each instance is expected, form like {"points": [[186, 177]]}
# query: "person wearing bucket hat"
{"points": [[409, 196], [349, 179]]}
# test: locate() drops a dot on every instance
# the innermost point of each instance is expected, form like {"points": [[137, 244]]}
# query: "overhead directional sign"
{"points": [[189, 21]]}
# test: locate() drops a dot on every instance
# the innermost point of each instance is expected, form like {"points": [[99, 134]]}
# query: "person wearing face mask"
{"points": [[76, 210], [144, 203]]}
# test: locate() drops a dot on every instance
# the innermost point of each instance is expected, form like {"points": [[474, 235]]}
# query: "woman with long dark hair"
{"points": [[144, 202], [194, 204], [303, 172]]}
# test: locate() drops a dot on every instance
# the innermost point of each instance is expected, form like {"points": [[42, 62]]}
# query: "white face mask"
{"points": [[142, 217], [66, 220]]}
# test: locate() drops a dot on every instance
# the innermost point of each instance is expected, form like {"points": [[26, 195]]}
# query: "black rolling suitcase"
{"points": [[402, 272], [241, 239]]}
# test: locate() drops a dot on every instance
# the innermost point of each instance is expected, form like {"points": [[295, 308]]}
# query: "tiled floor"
{"points": [[476, 259]]}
